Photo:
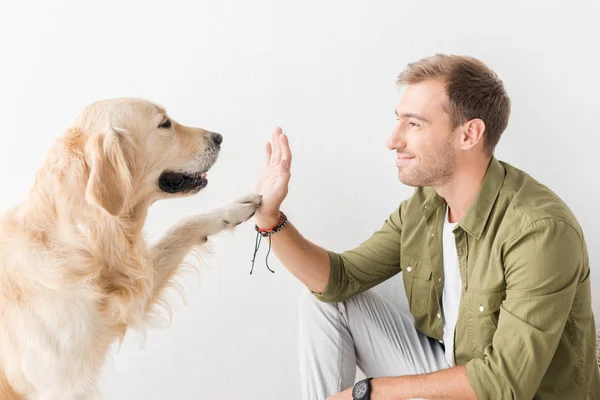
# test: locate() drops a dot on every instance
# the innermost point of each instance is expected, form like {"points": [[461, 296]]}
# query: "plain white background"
{"points": [[323, 70]]}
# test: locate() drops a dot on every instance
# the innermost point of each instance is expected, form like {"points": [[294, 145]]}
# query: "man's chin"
{"points": [[406, 179]]}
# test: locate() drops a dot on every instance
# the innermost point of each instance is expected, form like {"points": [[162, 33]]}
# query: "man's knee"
{"points": [[308, 303], [310, 307]]}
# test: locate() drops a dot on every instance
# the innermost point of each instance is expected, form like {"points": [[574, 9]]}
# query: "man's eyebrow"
{"points": [[411, 115]]}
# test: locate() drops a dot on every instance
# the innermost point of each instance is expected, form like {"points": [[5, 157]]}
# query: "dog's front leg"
{"points": [[168, 253]]}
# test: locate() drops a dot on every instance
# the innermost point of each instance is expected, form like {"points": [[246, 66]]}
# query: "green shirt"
{"points": [[525, 325]]}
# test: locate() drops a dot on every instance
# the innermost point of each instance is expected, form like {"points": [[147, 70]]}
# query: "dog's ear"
{"points": [[109, 183]]}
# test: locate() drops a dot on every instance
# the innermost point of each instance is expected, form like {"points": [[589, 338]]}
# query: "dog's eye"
{"points": [[165, 124]]}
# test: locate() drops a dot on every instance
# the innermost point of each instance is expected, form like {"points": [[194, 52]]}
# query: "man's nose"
{"points": [[217, 138], [396, 139]]}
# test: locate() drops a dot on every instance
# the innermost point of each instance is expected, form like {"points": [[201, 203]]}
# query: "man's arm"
{"points": [[331, 276], [450, 384], [368, 264], [335, 277], [305, 260], [447, 384]]}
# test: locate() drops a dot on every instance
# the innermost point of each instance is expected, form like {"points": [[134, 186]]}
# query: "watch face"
{"points": [[360, 389]]}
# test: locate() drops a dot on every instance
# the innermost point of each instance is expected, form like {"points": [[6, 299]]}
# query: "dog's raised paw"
{"points": [[242, 209], [252, 198]]}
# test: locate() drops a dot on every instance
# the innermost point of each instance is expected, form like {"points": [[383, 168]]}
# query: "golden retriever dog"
{"points": [[75, 269]]}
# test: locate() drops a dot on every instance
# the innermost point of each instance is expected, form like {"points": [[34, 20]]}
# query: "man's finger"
{"points": [[276, 147], [286, 153], [268, 153]]}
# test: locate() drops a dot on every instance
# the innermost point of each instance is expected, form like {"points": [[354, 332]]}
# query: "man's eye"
{"points": [[414, 125], [165, 124]]}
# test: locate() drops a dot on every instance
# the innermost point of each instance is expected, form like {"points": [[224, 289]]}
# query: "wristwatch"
{"points": [[362, 390]]}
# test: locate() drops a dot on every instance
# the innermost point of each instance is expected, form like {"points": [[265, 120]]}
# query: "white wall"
{"points": [[323, 70]]}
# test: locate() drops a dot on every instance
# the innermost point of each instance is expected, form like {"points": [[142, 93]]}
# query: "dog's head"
{"points": [[137, 153]]}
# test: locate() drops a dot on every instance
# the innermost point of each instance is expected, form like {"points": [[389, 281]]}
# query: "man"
{"points": [[494, 264]]}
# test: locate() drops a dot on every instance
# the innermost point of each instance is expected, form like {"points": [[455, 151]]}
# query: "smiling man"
{"points": [[494, 264]]}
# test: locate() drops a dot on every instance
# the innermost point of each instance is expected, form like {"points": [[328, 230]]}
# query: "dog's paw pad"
{"points": [[243, 209], [255, 199]]}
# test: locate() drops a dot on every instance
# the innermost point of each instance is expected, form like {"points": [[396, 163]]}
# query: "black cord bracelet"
{"points": [[261, 232]]}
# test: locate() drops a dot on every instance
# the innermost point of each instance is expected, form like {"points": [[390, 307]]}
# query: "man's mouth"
{"points": [[403, 160]]}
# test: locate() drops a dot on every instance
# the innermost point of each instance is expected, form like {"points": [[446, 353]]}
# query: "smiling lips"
{"points": [[403, 160]]}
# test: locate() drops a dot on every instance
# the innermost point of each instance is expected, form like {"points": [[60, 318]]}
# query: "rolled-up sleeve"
{"points": [[372, 262], [543, 267]]}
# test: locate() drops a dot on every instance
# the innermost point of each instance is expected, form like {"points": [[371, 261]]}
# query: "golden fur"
{"points": [[75, 269]]}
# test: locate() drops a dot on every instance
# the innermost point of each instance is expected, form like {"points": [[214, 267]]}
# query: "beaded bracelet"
{"points": [[266, 232]]}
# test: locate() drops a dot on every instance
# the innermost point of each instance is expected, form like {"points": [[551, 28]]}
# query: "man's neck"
{"points": [[460, 191]]}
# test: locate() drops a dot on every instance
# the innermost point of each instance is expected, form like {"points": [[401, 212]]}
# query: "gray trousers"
{"points": [[364, 331]]}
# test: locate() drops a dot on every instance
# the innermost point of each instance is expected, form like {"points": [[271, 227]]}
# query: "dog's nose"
{"points": [[217, 138]]}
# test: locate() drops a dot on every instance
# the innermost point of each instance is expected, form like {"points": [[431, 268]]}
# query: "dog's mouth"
{"points": [[180, 182]]}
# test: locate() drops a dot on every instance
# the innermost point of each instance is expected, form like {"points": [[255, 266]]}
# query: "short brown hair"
{"points": [[473, 90]]}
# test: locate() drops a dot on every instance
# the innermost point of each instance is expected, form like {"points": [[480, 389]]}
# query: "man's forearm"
{"points": [[304, 259], [451, 383]]}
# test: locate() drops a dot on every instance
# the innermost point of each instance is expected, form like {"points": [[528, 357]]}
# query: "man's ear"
{"points": [[109, 183], [472, 133]]}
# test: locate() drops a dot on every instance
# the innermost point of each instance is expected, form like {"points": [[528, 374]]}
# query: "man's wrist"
{"points": [[267, 221], [386, 388]]}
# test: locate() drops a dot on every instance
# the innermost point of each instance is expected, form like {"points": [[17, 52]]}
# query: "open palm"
{"points": [[273, 181]]}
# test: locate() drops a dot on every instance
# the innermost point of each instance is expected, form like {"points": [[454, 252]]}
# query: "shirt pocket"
{"points": [[416, 274], [480, 311]]}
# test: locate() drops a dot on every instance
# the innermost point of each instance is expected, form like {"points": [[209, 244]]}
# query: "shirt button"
{"points": [[481, 308], [433, 234], [439, 315], [409, 268], [439, 279]]}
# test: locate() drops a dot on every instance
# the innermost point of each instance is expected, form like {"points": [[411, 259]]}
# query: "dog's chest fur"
{"points": [[82, 295]]}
